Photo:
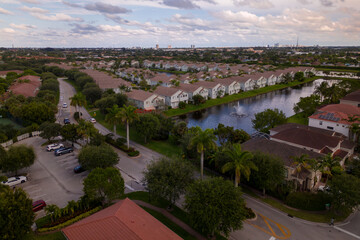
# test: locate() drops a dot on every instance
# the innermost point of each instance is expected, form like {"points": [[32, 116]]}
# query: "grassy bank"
{"points": [[232, 98], [299, 118], [337, 70]]}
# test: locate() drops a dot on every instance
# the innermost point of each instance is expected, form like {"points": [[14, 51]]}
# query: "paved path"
{"points": [[172, 218]]}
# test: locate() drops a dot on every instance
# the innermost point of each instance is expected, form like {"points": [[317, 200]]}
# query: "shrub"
{"points": [[308, 201], [182, 105], [120, 141], [134, 153], [249, 213]]}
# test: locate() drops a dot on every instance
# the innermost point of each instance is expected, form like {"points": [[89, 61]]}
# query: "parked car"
{"points": [[14, 181], [64, 105], [38, 205], [93, 120], [66, 121], [79, 169], [63, 150], [54, 146]]}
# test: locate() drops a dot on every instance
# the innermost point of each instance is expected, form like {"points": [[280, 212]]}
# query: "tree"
{"points": [[70, 132], [92, 94], [86, 129], [147, 125], [78, 100], [240, 162], [113, 117], [18, 157], [204, 140], [178, 131], [345, 190], [198, 99], [53, 211], [103, 156], [104, 185], [322, 89], [300, 162], [270, 173], [49, 130], [268, 119], [228, 134], [127, 115], [166, 125], [307, 105], [327, 163], [215, 206], [168, 178], [16, 213], [105, 103], [286, 78], [299, 76]]}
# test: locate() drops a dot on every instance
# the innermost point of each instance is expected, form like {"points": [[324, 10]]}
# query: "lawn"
{"points": [[5, 121], [49, 236], [299, 118], [231, 98], [163, 147]]}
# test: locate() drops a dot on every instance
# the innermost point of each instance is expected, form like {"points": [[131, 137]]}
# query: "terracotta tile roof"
{"points": [[206, 84], [326, 150], [28, 89], [338, 113], [189, 87], [347, 144], [340, 153], [104, 80], [166, 91], [283, 151], [307, 138], [139, 95], [123, 220], [161, 77], [354, 96], [226, 81]]}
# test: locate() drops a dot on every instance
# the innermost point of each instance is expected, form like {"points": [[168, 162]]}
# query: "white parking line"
{"points": [[347, 232], [30, 186], [32, 192], [39, 196]]}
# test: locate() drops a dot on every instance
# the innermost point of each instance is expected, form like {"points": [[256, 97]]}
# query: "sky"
{"points": [[179, 23]]}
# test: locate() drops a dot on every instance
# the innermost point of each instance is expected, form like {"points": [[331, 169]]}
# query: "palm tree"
{"points": [[127, 115], [72, 207], [322, 89], [204, 140], [86, 129], [300, 162], [52, 210], [112, 116], [327, 163], [240, 162], [315, 166], [78, 100]]}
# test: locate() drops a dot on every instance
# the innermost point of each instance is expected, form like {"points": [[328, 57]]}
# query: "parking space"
{"points": [[51, 178]]}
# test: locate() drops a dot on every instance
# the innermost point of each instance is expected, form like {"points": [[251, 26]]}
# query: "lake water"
{"points": [[239, 114]]}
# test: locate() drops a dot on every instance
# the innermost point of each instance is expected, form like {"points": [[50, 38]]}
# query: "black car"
{"points": [[79, 169], [66, 121], [61, 151]]}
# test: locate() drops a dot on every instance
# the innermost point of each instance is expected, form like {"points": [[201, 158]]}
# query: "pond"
{"points": [[239, 114]]}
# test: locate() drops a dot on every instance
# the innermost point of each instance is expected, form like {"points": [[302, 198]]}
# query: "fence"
{"points": [[19, 138]]}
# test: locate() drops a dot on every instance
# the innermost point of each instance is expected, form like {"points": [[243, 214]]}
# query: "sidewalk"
{"points": [[172, 218]]}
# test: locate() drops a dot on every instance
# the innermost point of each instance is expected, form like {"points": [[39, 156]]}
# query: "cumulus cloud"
{"points": [[99, 7], [56, 17], [22, 26], [260, 4], [8, 30], [182, 4], [34, 9], [4, 11], [329, 3], [30, 1]]}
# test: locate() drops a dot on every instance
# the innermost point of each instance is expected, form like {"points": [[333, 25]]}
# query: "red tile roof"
{"points": [[123, 220], [338, 113], [340, 153], [28, 89]]}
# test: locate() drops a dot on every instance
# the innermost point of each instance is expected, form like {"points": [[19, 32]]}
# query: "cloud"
{"points": [[182, 4], [4, 11], [30, 1], [193, 23], [56, 17], [305, 1], [34, 9], [22, 26], [105, 8], [8, 30], [260, 4], [329, 3]]}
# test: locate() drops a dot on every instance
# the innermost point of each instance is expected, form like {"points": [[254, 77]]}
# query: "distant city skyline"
{"points": [[178, 23]]}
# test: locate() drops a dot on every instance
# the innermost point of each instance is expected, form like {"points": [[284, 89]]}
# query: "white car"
{"points": [[14, 181], [64, 105], [54, 146], [93, 120]]}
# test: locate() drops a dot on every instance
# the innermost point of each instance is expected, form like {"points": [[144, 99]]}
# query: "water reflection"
{"points": [[228, 114]]}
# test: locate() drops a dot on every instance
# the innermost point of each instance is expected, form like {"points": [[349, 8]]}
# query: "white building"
{"points": [[172, 96]]}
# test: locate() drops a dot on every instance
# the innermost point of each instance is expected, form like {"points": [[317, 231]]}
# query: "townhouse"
{"points": [[146, 100], [172, 96], [215, 89], [192, 90], [232, 86]]}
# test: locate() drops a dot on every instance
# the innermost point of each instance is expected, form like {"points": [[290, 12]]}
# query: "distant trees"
{"points": [[16, 213], [168, 178], [299, 76], [215, 206], [229, 134], [91, 157], [268, 119], [104, 185]]}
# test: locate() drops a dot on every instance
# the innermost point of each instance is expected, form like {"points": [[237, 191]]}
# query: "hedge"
{"points": [[71, 221], [119, 143], [308, 201]]}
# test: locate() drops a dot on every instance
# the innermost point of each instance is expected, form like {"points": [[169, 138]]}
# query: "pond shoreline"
{"points": [[233, 98]]}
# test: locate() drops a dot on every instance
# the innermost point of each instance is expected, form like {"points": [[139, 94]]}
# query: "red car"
{"points": [[38, 205]]}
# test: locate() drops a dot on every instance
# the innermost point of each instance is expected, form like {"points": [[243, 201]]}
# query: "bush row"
{"points": [[119, 143], [308, 201]]}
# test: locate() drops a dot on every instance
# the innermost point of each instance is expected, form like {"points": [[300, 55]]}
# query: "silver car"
{"points": [[14, 181]]}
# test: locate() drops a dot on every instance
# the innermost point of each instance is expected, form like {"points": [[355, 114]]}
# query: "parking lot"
{"points": [[51, 178]]}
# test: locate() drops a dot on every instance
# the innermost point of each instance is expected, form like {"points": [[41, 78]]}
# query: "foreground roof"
{"points": [[123, 220], [338, 113]]}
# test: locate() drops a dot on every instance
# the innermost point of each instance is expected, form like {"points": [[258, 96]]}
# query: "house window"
{"points": [[331, 128], [320, 123]]}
